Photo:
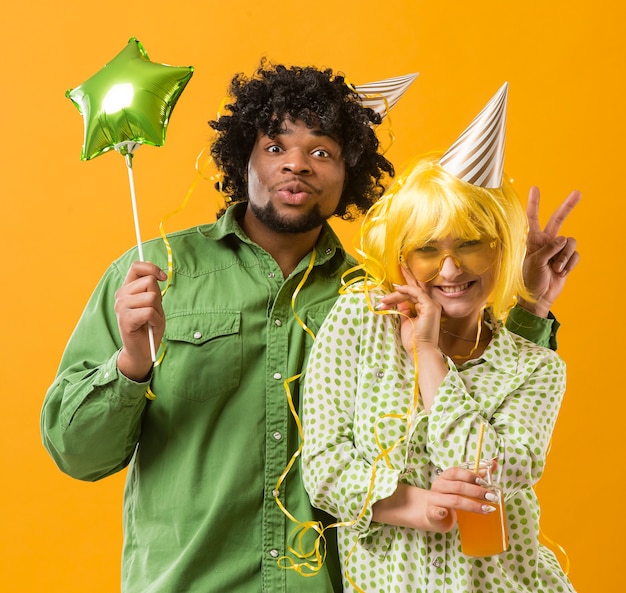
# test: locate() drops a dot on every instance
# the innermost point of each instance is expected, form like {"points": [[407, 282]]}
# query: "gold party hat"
{"points": [[478, 154], [382, 95]]}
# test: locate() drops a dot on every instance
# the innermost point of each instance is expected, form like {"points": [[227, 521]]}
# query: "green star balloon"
{"points": [[129, 100]]}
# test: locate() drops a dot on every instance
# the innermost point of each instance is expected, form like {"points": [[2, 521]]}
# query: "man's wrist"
{"points": [[538, 308], [540, 330], [136, 373]]}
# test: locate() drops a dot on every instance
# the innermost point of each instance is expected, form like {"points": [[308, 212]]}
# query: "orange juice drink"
{"points": [[483, 534]]}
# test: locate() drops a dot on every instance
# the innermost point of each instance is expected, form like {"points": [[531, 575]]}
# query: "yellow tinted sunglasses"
{"points": [[471, 255]]}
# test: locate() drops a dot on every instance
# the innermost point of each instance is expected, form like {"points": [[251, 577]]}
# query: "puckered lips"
{"points": [[295, 192]]}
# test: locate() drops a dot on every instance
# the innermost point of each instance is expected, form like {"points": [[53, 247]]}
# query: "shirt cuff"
{"points": [[124, 388], [540, 330], [385, 484]]}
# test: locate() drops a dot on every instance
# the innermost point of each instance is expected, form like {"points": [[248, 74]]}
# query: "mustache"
{"points": [[295, 181]]}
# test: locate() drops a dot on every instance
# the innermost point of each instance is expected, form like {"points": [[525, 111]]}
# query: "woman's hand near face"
{"points": [[419, 328], [421, 315]]}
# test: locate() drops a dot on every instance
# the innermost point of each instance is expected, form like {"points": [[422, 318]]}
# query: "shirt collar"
{"points": [[502, 342], [495, 353]]}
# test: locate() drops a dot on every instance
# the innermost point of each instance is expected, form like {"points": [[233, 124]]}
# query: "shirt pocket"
{"points": [[203, 355]]}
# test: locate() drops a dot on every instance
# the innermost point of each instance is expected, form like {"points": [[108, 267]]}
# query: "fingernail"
{"points": [[491, 497], [487, 509], [482, 483], [379, 306], [395, 285], [443, 513]]}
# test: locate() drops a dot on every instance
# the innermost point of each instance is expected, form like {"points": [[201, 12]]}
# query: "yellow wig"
{"points": [[426, 203]]}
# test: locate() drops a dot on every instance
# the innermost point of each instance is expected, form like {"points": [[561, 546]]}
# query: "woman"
{"points": [[409, 364]]}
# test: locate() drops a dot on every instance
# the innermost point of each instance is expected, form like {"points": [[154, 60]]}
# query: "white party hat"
{"points": [[477, 156], [382, 95]]}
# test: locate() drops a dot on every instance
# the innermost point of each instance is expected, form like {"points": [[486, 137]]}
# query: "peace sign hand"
{"points": [[549, 257]]}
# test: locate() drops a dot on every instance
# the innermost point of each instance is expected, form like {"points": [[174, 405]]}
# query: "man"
{"points": [[205, 456]]}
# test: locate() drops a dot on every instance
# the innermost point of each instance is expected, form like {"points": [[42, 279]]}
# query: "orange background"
{"points": [[64, 220]]}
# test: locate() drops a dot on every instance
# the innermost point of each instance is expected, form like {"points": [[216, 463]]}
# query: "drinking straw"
{"points": [[479, 446]]}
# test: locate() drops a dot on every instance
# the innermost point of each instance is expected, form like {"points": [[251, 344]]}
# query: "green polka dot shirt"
{"points": [[358, 399]]}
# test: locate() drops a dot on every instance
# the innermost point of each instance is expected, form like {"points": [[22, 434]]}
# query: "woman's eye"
{"points": [[472, 243]]}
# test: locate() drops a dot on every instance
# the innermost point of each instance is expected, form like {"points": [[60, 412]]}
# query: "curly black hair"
{"points": [[315, 97]]}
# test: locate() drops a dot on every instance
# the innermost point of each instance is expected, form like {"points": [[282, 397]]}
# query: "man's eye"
{"points": [[320, 152], [274, 148]]}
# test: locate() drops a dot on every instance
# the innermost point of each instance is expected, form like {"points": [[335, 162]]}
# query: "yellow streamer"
{"points": [[200, 174], [311, 561], [550, 543]]}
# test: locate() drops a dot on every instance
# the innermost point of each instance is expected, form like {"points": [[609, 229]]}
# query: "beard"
{"points": [[268, 215]]}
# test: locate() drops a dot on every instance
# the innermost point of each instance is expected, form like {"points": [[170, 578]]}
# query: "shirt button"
{"points": [[197, 335], [277, 436], [380, 374], [437, 562], [275, 493], [328, 251], [271, 275], [277, 376], [438, 471], [274, 553], [278, 322]]}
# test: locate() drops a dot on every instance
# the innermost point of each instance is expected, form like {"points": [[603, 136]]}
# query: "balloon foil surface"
{"points": [[129, 100]]}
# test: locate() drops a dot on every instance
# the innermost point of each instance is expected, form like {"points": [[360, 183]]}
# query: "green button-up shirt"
{"points": [[205, 456]]}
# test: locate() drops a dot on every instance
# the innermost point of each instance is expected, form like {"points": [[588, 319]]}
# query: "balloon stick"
{"points": [[127, 149]]}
